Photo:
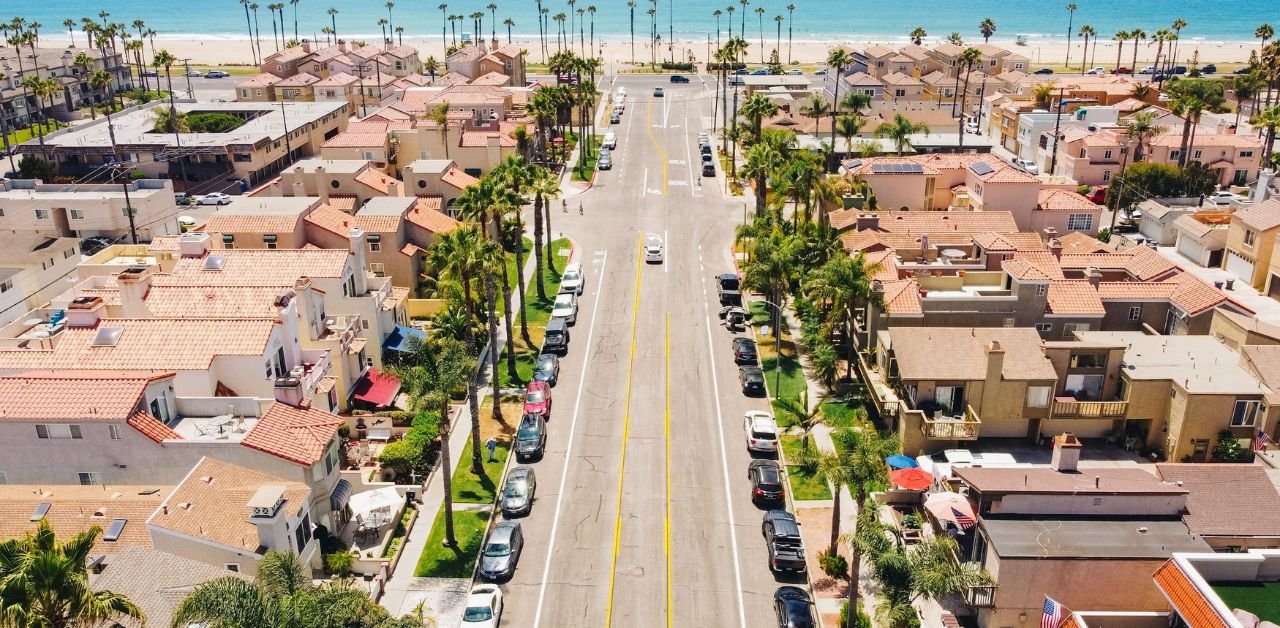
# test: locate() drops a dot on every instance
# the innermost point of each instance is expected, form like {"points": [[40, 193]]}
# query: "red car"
{"points": [[1122, 70], [537, 399], [1097, 194]]}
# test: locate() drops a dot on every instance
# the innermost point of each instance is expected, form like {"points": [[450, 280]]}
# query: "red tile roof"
{"points": [[378, 181], [1033, 266], [1007, 242], [148, 344], [430, 219], [1076, 242], [295, 434], [458, 179], [1074, 298], [1264, 216], [1065, 201], [151, 427], [222, 222], [1186, 599], [258, 267], [903, 297], [73, 394]]}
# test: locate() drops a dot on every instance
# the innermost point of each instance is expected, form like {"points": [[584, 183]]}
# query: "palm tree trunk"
{"points": [[468, 302], [835, 519], [547, 252], [855, 563], [473, 405], [506, 299], [450, 539], [524, 317], [494, 357], [537, 246]]}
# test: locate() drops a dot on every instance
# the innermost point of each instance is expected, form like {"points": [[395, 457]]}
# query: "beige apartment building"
{"points": [[1250, 246], [33, 268], [83, 210]]}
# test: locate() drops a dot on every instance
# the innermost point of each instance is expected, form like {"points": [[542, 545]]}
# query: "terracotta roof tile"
{"points": [[349, 139], [72, 510], [221, 222], [1008, 242], [410, 249], [302, 79], [214, 301], [345, 204], [1065, 201], [1033, 266], [378, 181], [148, 344], [379, 223], [331, 220], [902, 298], [163, 243], [885, 265], [258, 267], [1076, 242], [458, 179], [398, 295], [1194, 609], [295, 434], [1074, 298], [151, 427], [1193, 295], [1140, 262], [73, 394], [430, 219], [864, 241]]}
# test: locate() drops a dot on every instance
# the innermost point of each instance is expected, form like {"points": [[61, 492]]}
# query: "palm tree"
{"points": [[791, 11], [803, 419], [455, 255], [444, 30], [1086, 32], [955, 39], [838, 58], [516, 176], [762, 160], [755, 109], [928, 570], [1138, 36], [70, 24], [730, 10], [46, 582], [817, 108], [1071, 16], [545, 186], [988, 28], [900, 131], [382, 23], [1177, 26], [1120, 37], [333, 21], [508, 23], [277, 7], [1043, 93], [294, 4], [1161, 35], [848, 127], [858, 464], [778, 20], [742, 32], [431, 65], [1244, 87], [591, 10], [1142, 127], [1263, 33], [843, 284], [969, 57], [439, 114], [248, 21], [1268, 119], [917, 35], [257, 28]]}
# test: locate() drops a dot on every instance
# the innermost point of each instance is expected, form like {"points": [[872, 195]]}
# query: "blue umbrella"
{"points": [[900, 461]]}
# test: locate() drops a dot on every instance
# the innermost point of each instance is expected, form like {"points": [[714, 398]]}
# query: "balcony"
{"points": [[1069, 408], [959, 427], [981, 597]]}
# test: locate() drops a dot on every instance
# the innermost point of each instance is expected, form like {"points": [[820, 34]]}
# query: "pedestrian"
{"points": [[491, 445], [564, 206], [579, 208]]}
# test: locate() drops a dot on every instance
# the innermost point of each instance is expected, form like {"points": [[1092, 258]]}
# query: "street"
{"points": [[643, 516]]}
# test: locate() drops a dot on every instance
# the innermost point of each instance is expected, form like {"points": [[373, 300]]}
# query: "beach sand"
{"points": [[235, 52]]}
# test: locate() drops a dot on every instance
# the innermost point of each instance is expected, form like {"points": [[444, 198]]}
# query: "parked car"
{"points": [[1044, 71], [741, 72], [610, 140], [501, 552], [216, 74], [729, 289], [744, 351], [1151, 69], [759, 72], [547, 369], [484, 607], [556, 337], [766, 482], [782, 539], [194, 73], [1209, 68], [751, 378], [1097, 71], [537, 399], [1122, 70], [1179, 69], [657, 92], [614, 118], [1097, 194], [822, 72], [1245, 70], [708, 169], [794, 72], [566, 307], [653, 253], [531, 437], [604, 161], [793, 608], [571, 280], [216, 198], [761, 431], [676, 78], [704, 149], [1025, 165], [1221, 197], [518, 492], [92, 245]]}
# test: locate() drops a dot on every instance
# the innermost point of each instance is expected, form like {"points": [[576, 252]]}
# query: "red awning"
{"points": [[377, 388]]}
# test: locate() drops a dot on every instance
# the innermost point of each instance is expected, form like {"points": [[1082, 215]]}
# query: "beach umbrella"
{"points": [[899, 461], [952, 507], [915, 479]]}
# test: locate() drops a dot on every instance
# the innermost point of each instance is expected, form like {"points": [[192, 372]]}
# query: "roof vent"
{"points": [[184, 505], [101, 512], [108, 337]]}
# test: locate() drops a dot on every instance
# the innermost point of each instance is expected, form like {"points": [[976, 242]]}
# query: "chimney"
{"points": [[493, 44], [310, 309], [193, 244], [266, 513], [1066, 453], [1050, 232], [306, 45], [1263, 190], [289, 391], [134, 282], [356, 238], [84, 312], [392, 188], [1093, 275], [342, 45], [1055, 247], [867, 222], [322, 185], [299, 188], [995, 361], [288, 306]]}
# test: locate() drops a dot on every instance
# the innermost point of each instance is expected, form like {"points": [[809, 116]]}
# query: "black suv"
{"points": [[793, 608], [729, 288], [752, 380], [744, 351], [766, 481], [531, 437], [782, 538], [556, 339], [676, 78]]}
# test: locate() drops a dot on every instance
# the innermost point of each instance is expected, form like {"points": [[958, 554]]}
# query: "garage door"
{"points": [[1191, 249], [1239, 267]]}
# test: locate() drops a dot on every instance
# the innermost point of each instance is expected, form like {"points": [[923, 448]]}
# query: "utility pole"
{"points": [[123, 167], [288, 149], [1057, 123], [1124, 163], [186, 64], [363, 109], [733, 120]]}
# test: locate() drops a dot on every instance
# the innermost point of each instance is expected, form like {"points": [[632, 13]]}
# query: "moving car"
{"points": [[761, 431], [194, 73], [729, 288], [216, 74], [1026, 165], [537, 399], [782, 539], [740, 72], [556, 338], [501, 552], [676, 78], [752, 380], [610, 140], [605, 161], [571, 279], [744, 351], [216, 198], [484, 607], [793, 608], [653, 253], [566, 307], [518, 491], [1221, 197], [150, 73], [1245, 70], [531, 437], [1044, 71], [822, 72], [1209, 68], [1122, 70], [547, 369], [657, 92], [766, 481]]}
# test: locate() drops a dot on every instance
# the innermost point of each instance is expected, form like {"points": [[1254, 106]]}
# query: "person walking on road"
{"points": [[491, 445], [579, 208], [564, 206]]}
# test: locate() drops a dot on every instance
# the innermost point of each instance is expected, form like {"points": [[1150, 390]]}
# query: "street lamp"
{"points": [[777, 347]]}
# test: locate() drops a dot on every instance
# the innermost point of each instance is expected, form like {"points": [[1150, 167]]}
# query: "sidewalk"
{"points": [[443, 598]]}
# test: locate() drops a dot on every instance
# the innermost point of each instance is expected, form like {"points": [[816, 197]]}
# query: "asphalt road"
{"points": [[643, 515]]}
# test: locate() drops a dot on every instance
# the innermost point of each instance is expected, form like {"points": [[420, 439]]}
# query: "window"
{"points": [[1038, 396], [898, 93], [6, 285], [1196, 155], [1097, 501], [1089, 361], [1135, 313], [115, 432], [375, 243], [126, 211], [1082, 151], [88, 478], [58, 430], [1042, 290], [1069, 329], [302, 535], [1246, 413], [1080, 222], [42, 214], [1106, 154], [269, 239], [1249, 236], [1044, 327], [76, 214], [235, 567], [1174, 155], [1106, 176]]}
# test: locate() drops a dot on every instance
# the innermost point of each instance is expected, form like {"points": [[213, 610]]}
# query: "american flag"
{"points": [[1052, 613], [964, 521], [1260, 440]]}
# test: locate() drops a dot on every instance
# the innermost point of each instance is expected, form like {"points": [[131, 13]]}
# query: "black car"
{"points": [[1209, 68], [1179, 69], [730, 289], [93, 244], [547, 369], [501, 552], [531, 437], [676, 78], [556, 337], [780, 525], [708, 169], [766, 481], [793, 608], [744, 351], [741, 72], [1245, 70], [752, 380], [704, 149], [1044, 71]]}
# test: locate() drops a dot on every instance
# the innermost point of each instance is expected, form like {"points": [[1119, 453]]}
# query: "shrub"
{"points": [[912, 521], [833, 565], [401, 455], [32, 167], [213, 122], [807, 461], [1083, 189], [861, 621], [339, 563], [1228, 447], [680, 67]]}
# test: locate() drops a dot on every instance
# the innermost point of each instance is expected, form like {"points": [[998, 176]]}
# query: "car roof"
{"points": [[763, 421], [728, 276], [529, 417], [547, 357], [538, 385], [556, 324], [742, 341], [751, 370], [520, 473], [791, 592], [503, 531]]}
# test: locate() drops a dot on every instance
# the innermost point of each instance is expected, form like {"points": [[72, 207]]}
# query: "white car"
{"points": [[571, 279], [653, 253], [610, 140], [484, 607], [761, 431], [622, 94], [1097, 71], [566, 307], [1025, 165], [216, 198], [794, 72], [1221, 197]]}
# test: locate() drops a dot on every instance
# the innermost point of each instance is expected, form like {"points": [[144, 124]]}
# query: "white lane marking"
{"points": [[724, 461], [676, 162], [644, 187], [573, 428], [666, 111], [688, 153], [677, 182]]}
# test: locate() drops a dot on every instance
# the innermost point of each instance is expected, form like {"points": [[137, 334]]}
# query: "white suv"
{"points": [[566, 307], [571, 280], [1025, 165], [610, 140], [761, 431]]}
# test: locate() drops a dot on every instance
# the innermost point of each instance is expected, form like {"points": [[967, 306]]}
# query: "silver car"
{"points": [[518, 492], [501, 552]]}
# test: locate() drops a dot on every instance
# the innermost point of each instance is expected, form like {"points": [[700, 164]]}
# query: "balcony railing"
{"points": [[965, 427], [1068, 408], [980, 597]]}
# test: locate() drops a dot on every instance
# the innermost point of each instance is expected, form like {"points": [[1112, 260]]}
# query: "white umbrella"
{"points": [[952, 507], [365, 503]]}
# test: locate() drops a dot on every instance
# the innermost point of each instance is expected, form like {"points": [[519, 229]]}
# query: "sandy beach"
{"points": [[615, 50]]}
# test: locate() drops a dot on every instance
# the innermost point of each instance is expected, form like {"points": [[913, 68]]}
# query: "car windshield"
{"points": [[535, 396], [768, 476], [545, 363], [516, 489], [528, 430], [729, 283], [497, 549], [477, 613], [569, 275]]}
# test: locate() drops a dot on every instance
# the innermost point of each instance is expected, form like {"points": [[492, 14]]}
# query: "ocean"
{"points": [[1042, 21]]}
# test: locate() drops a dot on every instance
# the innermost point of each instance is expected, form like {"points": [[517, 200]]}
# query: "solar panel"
{"points": [[912, 169], [114, 530], [981, 168], [41, 510]]}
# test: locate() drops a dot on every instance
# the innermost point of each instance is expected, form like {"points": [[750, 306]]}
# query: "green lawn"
{"points": [[840, 413], [1260, 598], [790, 382], [469, 488], [512, 273], [803, 485], [18, 136], [444, 562], [586, 166], [537, 311]]}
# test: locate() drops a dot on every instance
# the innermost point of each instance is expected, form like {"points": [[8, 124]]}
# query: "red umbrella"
{"points": [[915, 478]]}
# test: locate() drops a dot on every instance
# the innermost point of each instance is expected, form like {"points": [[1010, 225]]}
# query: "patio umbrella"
{"points": [[900, 461], [915, 479], [952, 507]]}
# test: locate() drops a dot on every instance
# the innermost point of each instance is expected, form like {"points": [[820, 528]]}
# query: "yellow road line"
{"points": [[666, 429], [626, 430], [648, 125]]}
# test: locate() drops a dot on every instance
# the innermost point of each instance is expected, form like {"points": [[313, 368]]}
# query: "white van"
{"points": [[622, 95], [610, 140]]}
